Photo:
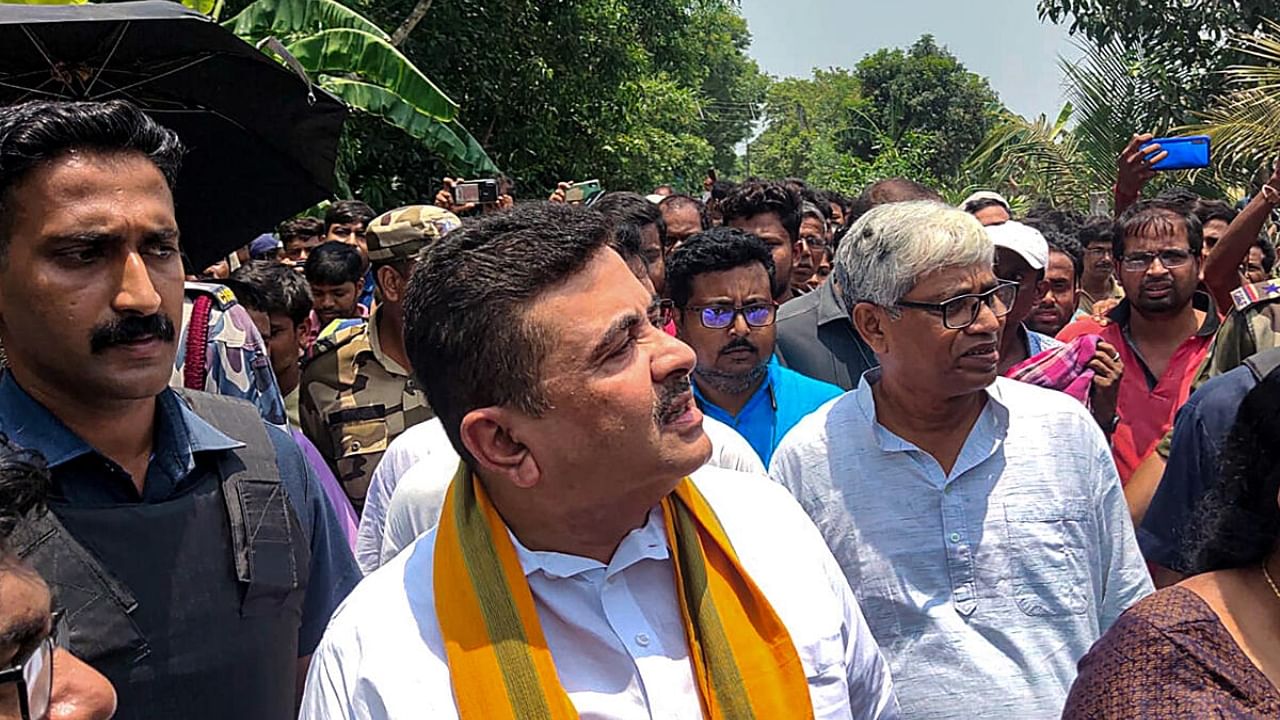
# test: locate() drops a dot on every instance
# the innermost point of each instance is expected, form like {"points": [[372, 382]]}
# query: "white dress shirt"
{"points": [[984, 585], [423, 461], [615, 632]]}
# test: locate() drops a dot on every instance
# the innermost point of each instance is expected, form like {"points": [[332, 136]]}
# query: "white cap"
{"points": [[985, 195], [655, 198], [1022, 239]]}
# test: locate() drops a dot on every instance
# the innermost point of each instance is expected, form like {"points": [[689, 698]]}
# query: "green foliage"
{"points": [[1182, 45], [916, 114], [635, 94], [925, 90]]}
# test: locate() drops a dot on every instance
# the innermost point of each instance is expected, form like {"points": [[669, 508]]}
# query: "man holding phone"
{"points": [[447, 198]]}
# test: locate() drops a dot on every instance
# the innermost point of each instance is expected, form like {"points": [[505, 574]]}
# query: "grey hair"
{"points": [[808, 209], [889, 248]]}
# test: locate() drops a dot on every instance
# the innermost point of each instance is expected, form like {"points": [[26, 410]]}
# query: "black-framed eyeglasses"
{"points": [[719, 317], [1170, 259], [961, 311], [32, 672]]}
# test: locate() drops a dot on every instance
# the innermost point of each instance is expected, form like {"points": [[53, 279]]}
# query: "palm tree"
{"points": [[1242, 124]]}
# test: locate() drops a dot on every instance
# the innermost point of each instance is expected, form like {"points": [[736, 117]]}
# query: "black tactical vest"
{"points": [[190, 607]]}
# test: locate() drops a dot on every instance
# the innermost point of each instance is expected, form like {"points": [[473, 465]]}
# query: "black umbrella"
{"points": [[261, 140]]}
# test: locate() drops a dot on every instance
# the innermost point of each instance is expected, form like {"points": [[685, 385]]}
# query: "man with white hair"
{"points": [[979, 520]]}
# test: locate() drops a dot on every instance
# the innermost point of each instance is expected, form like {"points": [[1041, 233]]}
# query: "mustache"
{"points": [[739, 343], [670, 401], [130, 328]]}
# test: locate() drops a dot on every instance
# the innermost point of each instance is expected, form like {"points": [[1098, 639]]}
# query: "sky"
{"points": [[1003, 40]]}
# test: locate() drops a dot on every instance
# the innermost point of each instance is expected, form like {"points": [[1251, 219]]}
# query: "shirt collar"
{"points": [[830, 306], [647, 542], [994, 417], [28, 423], [1201, 300], [766, 389]]}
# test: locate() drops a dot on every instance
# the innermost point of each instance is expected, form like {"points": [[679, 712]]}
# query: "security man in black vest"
{"points": [[194, 556]]}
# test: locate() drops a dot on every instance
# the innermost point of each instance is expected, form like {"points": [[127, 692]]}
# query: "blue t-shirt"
{"points": [[183, 440], [1199, 432], [782, 400]]}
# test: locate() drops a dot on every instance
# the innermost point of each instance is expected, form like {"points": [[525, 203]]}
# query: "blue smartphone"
{"points": [[1185, 153]]}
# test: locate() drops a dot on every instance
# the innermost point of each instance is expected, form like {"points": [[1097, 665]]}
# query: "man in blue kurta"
{"points": [[719, 281]]}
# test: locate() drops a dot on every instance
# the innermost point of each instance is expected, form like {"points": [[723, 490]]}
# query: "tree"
{"points": [[1182, 45], [925, 90], [635, 94], [917, 113]]}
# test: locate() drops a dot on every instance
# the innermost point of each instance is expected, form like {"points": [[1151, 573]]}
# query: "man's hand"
{"points": [[1102, 307], [1133, 168], [1107, 371], [444, 198], [558, 196]]}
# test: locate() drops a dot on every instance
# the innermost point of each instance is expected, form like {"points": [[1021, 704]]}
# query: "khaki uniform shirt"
{"points": [[1086, 302], [354, 401]]}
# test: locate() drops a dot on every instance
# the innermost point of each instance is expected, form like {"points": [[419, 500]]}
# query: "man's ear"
{"points": [[489, 435], [870, 320], [390, 283]]}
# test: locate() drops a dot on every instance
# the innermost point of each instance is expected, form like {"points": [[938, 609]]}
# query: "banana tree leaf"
{"points": [[376, 61], [448, 139], [288, 18]]}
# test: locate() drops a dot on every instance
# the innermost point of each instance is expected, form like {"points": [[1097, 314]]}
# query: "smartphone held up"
{"points": [[1180, 153]]}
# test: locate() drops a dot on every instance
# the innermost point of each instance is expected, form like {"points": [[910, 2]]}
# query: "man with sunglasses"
{"points": [[720, 283], [978, 519], [1163, 328]]}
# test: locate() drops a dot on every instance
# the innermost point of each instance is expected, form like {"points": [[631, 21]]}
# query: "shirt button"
{"points": [[642, 640], [955, 537]]}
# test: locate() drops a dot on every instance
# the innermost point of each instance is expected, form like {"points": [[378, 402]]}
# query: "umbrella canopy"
{"points": [[261, 140]]}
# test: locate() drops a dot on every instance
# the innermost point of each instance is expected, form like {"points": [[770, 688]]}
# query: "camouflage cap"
{"points": [[399, 234]]}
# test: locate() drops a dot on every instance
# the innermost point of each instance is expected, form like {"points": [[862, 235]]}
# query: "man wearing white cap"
{"points": [[1021, 256], [989, 207]]}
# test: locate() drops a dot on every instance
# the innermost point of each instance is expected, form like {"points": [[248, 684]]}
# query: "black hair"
{"points": [[891, 190], [36, 132], [348, 212], [1063, 220], [301, 227], [1097, 229], [715, 250], [757, 197], [1067, 245], [247, 295], [334, 263], [1209, 210], [1268, 252], [467, 330], [24, 487], [1180, 195], [632, 208], [721, 189], [628, 242], [281, 290], [678, 201], [1237, 521], [973, 206], [1159, 216]]}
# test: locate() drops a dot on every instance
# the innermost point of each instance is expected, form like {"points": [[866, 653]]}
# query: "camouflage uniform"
{"points": [[236, 360], [355, 399], [1252, 327]]}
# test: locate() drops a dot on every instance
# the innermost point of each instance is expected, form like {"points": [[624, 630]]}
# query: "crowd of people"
{"points": [[768, 451]]}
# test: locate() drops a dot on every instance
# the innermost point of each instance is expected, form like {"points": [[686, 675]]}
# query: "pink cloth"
{"points": [[332, 490], [1064, 368]]}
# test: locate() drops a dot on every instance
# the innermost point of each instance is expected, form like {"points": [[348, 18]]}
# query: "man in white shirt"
{"points": [[419, 492], [574, 565], [979, 520]]}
